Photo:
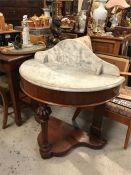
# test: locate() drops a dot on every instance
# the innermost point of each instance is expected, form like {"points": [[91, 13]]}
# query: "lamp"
{"points": [[119, 3]]}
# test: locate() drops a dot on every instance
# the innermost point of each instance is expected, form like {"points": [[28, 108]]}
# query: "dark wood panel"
{"points": [[20, 3], [102, 46], [11, 14], [14, 10]]}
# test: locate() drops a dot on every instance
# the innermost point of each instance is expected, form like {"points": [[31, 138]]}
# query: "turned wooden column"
{"points": [[96, 126], [42, 117]]}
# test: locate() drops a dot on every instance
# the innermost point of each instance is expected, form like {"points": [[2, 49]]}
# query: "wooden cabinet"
{"points": [[110, 45], [14, 10]]}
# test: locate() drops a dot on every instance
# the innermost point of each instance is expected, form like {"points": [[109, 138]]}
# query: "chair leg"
{"points": [[77, 112], [127, 135], [5, 108]]}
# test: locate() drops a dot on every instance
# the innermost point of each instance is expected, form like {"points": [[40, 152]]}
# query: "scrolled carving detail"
{"points": [[43, 113]]}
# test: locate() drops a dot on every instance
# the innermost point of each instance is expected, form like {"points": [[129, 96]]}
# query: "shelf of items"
{"points": [[8, 36], [110, 44]]}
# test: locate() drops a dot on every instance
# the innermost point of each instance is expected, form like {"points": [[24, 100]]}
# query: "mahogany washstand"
{"points": [[71, 75], [57, 137]]}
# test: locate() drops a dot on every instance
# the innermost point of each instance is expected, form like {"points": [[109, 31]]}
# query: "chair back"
{"points": [[120, 61]]}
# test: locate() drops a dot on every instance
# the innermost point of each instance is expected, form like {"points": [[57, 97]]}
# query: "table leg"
{"points": [[96, 127], [14, 92], [42, 117]]}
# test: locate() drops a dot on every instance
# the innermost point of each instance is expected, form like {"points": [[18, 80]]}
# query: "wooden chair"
{"points": [[118, 109], [5, 100]]}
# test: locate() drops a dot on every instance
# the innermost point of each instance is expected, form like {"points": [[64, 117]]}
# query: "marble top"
{"points": [[70, 66]]}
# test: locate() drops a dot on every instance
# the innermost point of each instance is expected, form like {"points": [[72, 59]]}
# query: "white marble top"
{"points": [[70, 66]]}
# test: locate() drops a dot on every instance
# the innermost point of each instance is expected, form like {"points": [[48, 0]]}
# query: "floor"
{"points": [[19, 152]]}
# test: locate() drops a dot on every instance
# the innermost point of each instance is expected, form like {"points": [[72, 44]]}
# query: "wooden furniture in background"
{"points": [[4, 94], [115, 109], [64, 7], [10, 66], [122, 62], [118, 61], [119, 109], [14, 10], [110, 45]]}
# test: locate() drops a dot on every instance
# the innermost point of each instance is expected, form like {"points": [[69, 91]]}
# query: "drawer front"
{"points": [[14, 10], [19, 12]]}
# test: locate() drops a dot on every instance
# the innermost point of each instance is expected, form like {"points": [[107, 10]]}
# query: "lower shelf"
{"points": [[63, 137]]}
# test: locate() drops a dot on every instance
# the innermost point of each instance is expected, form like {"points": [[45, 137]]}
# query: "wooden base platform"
{"points": [[62, 137]]}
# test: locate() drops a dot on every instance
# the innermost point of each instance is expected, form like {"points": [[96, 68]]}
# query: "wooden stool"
{"points": [[5, 96]]}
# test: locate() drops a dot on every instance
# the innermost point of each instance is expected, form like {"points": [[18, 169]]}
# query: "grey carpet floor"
{"points": [[19, 151]]}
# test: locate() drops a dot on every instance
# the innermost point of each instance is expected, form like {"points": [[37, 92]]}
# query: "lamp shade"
{"points": [[121, 3]]}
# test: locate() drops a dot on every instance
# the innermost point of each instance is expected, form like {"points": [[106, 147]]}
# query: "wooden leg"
{"points": [[5, 109], [127, 135], [96, 127], [5, 105], [77, 112], [42, 117], [14, 92]]}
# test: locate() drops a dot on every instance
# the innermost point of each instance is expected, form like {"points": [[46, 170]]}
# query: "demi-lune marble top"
{"points": [[70, 66]]}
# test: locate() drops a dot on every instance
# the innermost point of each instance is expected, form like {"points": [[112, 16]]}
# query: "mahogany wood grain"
{"points": [[67, 98], [64, 137], [110, 45]]}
